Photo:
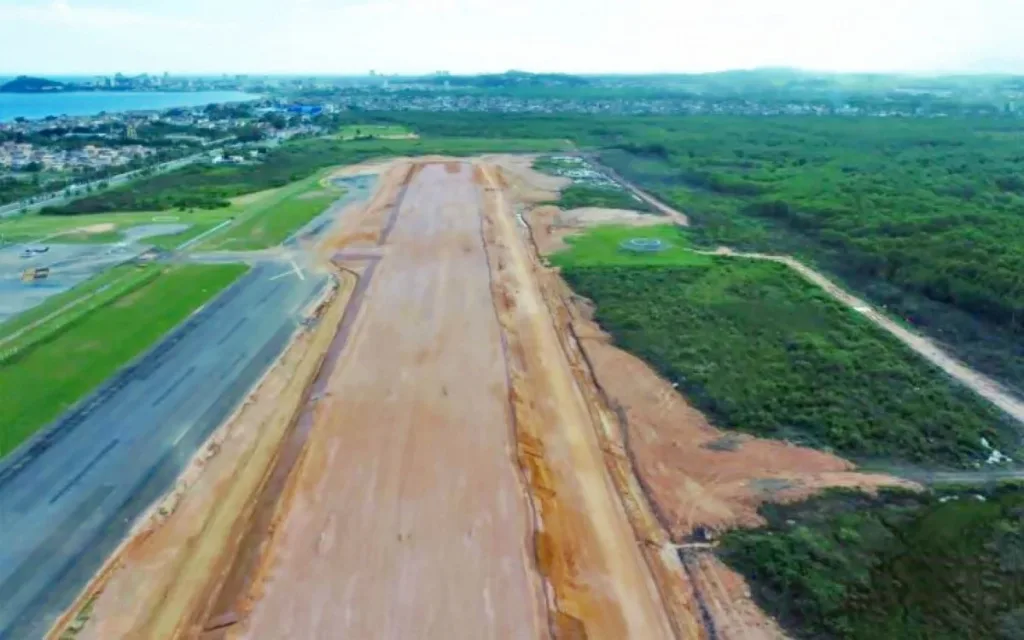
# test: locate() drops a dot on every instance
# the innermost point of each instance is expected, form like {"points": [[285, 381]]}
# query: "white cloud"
{"points": [[63, 13], [344, 36]]}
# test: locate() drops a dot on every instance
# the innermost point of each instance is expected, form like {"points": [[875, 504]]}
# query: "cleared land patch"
{"points": [[44, 380], [759, 349], [590, 187]]}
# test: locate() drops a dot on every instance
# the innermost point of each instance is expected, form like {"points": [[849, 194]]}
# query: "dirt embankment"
{"points": [[156, 582], [693, 476], [586, 545], [160, 581]]}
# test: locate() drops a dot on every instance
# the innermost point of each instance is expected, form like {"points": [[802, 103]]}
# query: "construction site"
{"points": [[451, 447]]}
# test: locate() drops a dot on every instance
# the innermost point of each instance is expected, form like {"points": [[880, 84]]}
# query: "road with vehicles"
{"points": [[69, 496]]}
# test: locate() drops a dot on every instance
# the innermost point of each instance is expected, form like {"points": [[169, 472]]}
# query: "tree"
{"points": [[248, 134]]}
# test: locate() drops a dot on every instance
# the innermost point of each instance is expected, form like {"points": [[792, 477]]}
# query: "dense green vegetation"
{"points": [[361, 131], [923, 216], [902, 565], [212, 186], [589, 188], [581, 195], [29, 84], [44, 380], [759, 349]]}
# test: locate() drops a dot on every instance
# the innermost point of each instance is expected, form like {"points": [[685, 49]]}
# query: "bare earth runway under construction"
{"points": [[409, 519], [442, 474]]}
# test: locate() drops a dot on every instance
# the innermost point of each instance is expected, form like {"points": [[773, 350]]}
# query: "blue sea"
{"points": [[87, 103]]}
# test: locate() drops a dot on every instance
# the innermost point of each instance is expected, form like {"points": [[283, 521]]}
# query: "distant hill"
{"points": [[507, 79], [26, 84]]}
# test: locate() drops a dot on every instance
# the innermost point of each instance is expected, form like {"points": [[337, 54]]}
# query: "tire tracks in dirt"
{"points": [[232, 597], [600, 582]]}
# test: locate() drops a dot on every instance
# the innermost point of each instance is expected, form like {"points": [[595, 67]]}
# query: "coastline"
{"points": [[77, 104]]}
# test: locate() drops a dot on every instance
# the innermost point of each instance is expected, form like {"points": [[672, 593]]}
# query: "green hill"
{"points": [[26, 84]]}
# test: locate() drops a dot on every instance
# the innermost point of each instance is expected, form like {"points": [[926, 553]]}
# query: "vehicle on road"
{"points": [[38, 273]]}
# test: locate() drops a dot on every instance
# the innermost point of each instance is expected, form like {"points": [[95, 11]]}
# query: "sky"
{"points": [[62, 37]]}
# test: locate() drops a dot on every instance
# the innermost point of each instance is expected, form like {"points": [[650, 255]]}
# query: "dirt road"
{"points": [[675, 215], [981, 384], [409, 518]]}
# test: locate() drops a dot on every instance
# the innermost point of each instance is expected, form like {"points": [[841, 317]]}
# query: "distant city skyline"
{"points": [[294, 37]]}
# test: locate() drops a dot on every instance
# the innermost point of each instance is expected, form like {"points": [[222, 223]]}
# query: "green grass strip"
{"points": [[47, 379]]}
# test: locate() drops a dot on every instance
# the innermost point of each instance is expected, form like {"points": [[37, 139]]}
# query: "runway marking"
{"points": [[231, 331], [235, 362], [88, 467], [273, 291], [50, 547], [295, 269], [174, 385]]}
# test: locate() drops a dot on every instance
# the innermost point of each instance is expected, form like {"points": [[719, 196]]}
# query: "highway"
{"points": [[69, 496], [78, 190]]}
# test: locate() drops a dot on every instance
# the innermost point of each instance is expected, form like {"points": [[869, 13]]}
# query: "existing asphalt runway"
{"points": [[69, 497]]}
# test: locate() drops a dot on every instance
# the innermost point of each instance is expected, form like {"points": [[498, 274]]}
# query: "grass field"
{"points": [[274, 215], [33, 227], [902, 565], [601, 247], [262, 219], [44, 380], [56, 312], [759, 349]]}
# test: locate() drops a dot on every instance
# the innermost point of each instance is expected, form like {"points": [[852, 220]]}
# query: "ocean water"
{"points": [[87, 103]]}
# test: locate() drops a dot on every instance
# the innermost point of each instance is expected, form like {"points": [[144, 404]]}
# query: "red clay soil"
{"points": [[408, 517], [588, 549], [696, 474], [154, 584], [691, 473]]}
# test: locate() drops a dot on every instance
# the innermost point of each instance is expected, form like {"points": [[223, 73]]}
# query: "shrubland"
{"points": [[914, 566]]}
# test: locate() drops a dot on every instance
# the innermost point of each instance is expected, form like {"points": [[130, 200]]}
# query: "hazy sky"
{"points": [[412, 36]]}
